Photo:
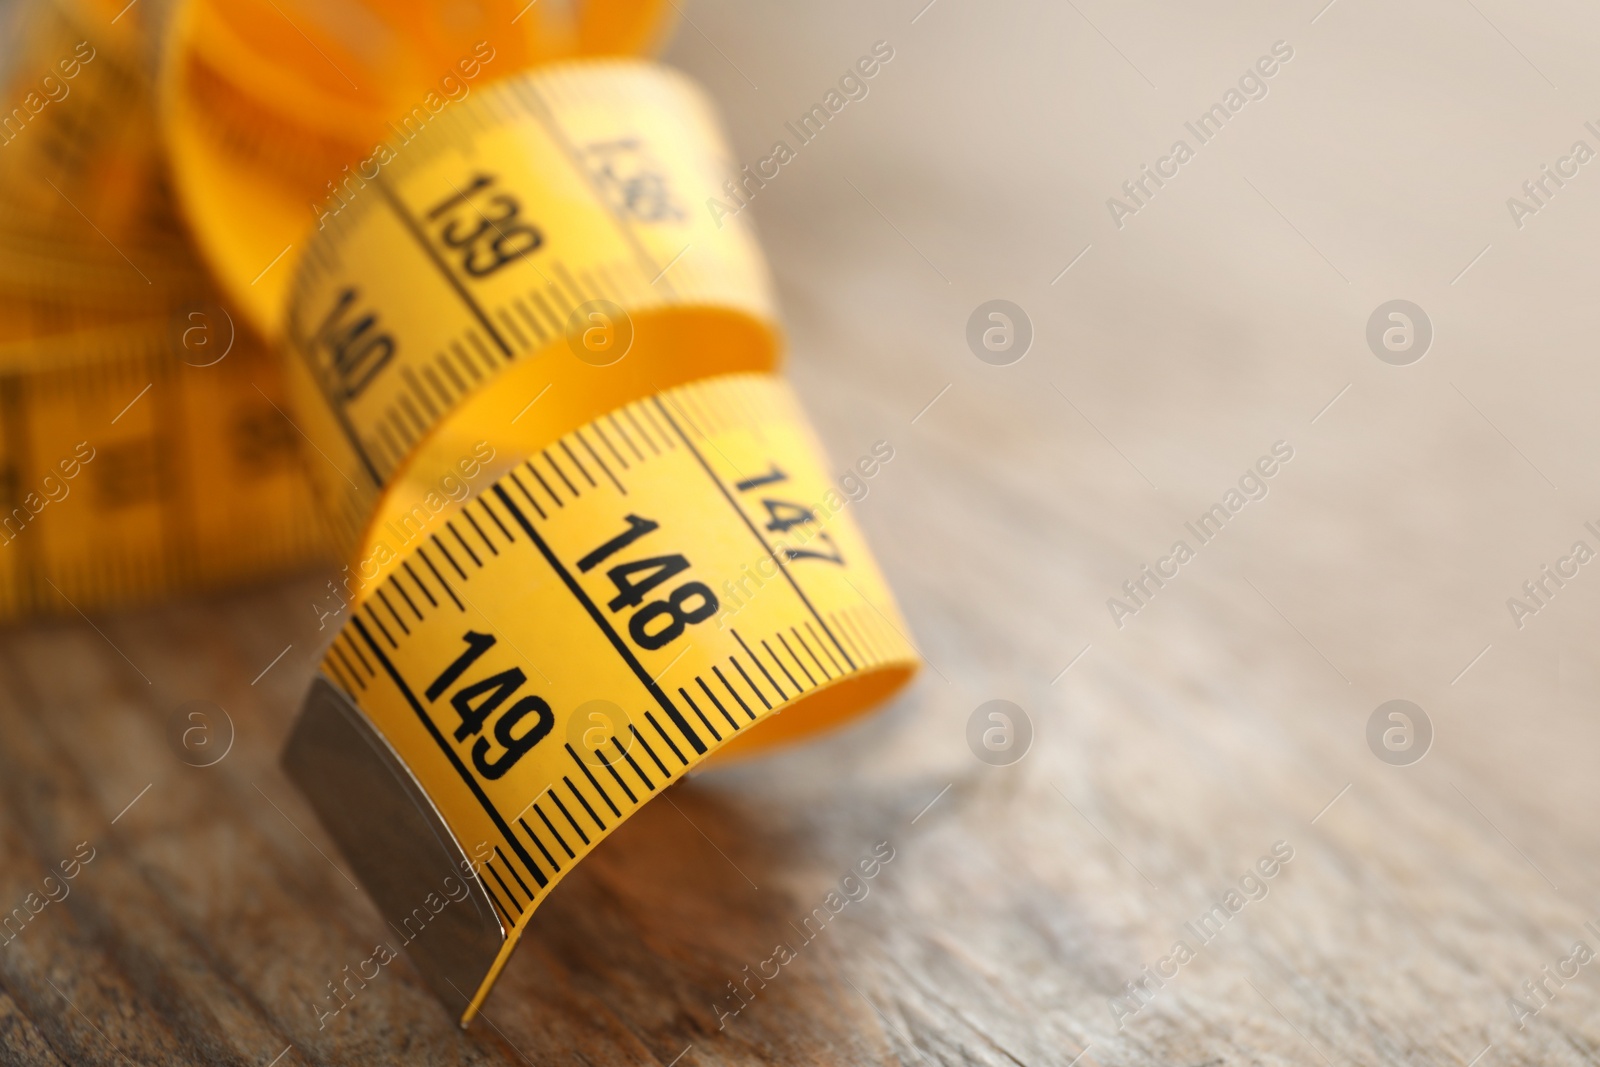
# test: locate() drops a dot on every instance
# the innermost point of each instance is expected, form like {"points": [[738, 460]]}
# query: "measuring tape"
{"points": [[542, 239], [80, 161], [268, 106], [642, 593], [591, 541], [662, 565], [143, 452], [130, 474]]}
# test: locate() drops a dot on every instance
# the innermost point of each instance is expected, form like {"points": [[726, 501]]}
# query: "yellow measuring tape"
{"points": [[592, 542], [132, 474], [541, 237], [272, 107], [644, 592], [663, 565], [142, 449]]}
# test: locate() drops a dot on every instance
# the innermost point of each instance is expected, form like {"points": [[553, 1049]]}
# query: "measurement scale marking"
{"points": [[540, 110], [432, 253], [450, 753], [605, 627], [751, 526]]}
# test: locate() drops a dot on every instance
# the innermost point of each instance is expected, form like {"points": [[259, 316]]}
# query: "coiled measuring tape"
{"points": [[613, 611], [592, 542], [661, 566], [143, 452], [199, 483], [80, 159], [131, 474], [269, 106]]}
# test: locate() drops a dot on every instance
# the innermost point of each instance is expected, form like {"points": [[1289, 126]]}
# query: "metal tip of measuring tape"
{"points": [[393, 837]]}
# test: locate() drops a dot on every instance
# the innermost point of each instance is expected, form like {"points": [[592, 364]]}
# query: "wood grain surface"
{"points": [[1173, 748]]}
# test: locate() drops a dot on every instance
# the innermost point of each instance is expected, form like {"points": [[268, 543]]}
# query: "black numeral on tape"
{"points": [[785, 515], [357, 349], [477, 701], [482, 227], [635, 579]]}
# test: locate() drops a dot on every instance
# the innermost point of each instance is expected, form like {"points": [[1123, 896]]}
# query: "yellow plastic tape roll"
{"points": [[530, 261], [660, 567], [132, 474], [268, 105], [528, 380], [658, 585], [143, 452]]}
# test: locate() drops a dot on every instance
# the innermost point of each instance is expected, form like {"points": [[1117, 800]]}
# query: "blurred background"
{"points": [[1173, 348], [1438, 878]]}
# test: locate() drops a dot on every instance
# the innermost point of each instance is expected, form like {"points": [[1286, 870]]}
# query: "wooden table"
{"points": [[1170, 755]]}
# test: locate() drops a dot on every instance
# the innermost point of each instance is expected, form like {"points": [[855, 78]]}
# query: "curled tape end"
{"points": [[399, 847]]}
